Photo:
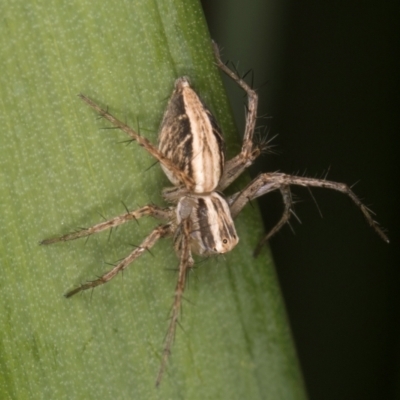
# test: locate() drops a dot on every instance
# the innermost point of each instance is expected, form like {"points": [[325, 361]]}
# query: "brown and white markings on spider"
{"points": [[191, 153]]}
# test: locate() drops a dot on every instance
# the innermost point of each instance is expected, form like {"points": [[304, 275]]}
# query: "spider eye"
{"points": [[225, 241]]}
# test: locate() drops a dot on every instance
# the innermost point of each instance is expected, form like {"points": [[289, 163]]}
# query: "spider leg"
{"points": [[186, 262], [249, 152], [268, 182], [151, 210], [151, 149], [147, 244], [287, 212]]}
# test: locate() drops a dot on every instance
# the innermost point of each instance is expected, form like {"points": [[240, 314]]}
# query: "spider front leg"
{"points": [[147, 244], [159, 232], [149, 210], [268, 182], [186, 262], [249, 152]]}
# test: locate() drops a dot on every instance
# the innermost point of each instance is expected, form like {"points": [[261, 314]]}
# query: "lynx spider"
{"points": [[191, 153]]}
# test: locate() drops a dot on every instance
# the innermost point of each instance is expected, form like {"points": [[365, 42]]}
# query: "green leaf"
{"points": [[59, 171]]}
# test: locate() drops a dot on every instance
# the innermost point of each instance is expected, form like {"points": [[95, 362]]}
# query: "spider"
{"points": [[191, 153]]}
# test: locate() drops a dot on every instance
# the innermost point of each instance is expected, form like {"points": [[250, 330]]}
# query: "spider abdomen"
{"points": [[191, 138]]}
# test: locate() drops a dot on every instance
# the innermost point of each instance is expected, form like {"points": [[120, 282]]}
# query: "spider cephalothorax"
{"points": [[191, 153]]}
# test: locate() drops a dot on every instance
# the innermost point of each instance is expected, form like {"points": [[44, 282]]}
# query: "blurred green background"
{"points": [[328, 74]]}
